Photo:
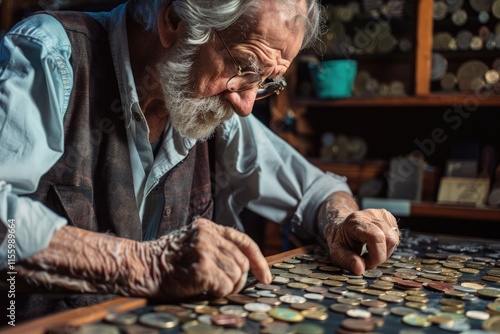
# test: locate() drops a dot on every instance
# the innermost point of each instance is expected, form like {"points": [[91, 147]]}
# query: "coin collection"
{"points": [[370, 31], [466, 26], [424, 285]]}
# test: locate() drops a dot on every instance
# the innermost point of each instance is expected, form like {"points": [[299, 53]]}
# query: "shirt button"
{"points": [[137, 117]]}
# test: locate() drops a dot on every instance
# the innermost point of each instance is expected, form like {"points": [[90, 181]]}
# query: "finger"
{"points": [[376, 243], [348, 259], [252, 252]]}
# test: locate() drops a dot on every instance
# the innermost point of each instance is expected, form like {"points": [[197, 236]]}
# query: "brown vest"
{"points": [[91, 185]]}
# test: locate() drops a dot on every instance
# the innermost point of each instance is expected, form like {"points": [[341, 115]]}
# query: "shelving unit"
{"points": [[313, 115]]}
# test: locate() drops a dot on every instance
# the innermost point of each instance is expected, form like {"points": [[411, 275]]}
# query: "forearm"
{"points": [[334, 210], [81, 261]]}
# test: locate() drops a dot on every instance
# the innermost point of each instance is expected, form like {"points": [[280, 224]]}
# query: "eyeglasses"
{"points": [[249, 79]]}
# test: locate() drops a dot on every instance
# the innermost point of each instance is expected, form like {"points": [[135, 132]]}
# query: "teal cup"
{"points": [[333, 78]]}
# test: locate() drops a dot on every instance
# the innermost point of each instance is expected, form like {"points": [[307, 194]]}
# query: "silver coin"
{"points": [[439, 66], [233, 309], [495, 9], [441, 41], [448, 83], [314, 296], [440, 10], [289, 299], [358, 313], [257, 307], [159, 320], [479, 5], [459, 17], [464, 39], [454, 4], [483, 17]]}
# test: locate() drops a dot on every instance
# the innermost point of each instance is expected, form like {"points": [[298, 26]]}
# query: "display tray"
{"points": [[429, 285]]}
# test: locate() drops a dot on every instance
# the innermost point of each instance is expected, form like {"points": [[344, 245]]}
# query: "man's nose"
{"points": [[243, 101]]}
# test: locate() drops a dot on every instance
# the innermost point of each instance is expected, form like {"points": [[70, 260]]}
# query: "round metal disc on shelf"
{"points": [[492, 77], [440, 10], [468, 71], [439, 66], [441, 41], [495, 9], [405, 45], [484, 33], [454, 4], [495, 65], [386, 43], [476, 43], [459, 17], [464, 39], [483, 17], [448, 82], [479, 5], [397, 88], [360, 83]]}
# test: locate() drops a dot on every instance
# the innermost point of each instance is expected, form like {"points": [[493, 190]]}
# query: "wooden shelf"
{"points": [[432, 100], [435, 210]]}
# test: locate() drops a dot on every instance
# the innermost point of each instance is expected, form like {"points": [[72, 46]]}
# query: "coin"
{"points": [[205, 309], [314, 314], [194, 327], [307, 328], [391, 298], [477, 315], [289, 299], [282, 265], [240, 299], [358, 325], [277, 327], [341, 308], [440, 286], [358, 313], [269, 300], [257, 307], [439, 66], [381, 311], [159, 320], [297, 285], [489, 292], [440, 10], [416, 320], [286, 314], [233, 309], [401, 310], [228, 320], [492, 324], [459, 17]]}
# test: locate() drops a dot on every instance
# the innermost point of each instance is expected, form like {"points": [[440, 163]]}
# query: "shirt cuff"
{"points": [[28, 227], [304, 220]]}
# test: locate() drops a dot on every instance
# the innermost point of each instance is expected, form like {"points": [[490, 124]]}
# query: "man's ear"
{"points": [[168, 25]]}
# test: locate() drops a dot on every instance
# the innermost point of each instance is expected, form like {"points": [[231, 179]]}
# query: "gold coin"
{"points": [[452, 302], [418, 299], [440, 319], [492, 324], [416, 305], [416, 320], [494, 307], [373, 292], [311, 281], [391, 298], [452, 309], [314, 314], [205, 309], [339, 278], [469, 271], [286, 314], [260, 316], [396, 293], [330, 282], [297, 285], [489, 292], [356, 288], [359, 282]]}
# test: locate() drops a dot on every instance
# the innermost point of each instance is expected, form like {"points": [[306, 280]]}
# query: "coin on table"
{"points": [[269, 287], [456, 326], [492, 324], [440, 286], [269, 300], [297, 285], [282, 265], [391, 298], [280, 280], [439, 319], [380, 311], [416, 320], [260, 317], [292, 261], [312, 281], [401, 310], [317, 289], [286, 314], [257, 307], [121, 318], [98, 328], [138, 329], [321, 276], [477, 315], [233, 309], [240, 299], [358, 325], [307, 328], [314, 296], [194, 327], [494, 307], [228, 320], [205, 309], [314, 314], [308, 306], [341, 308], [452, 302], [358, 313], [489, 292], [277, 327], [159, 320], [372, 273], [330, 282], [289, 299]]}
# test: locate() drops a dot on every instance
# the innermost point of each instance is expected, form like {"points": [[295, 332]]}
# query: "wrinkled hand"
{"points": [[204, 258], [375, 228]]}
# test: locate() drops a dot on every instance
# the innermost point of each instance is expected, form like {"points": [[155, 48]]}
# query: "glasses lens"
{"points": [[244, 81]]}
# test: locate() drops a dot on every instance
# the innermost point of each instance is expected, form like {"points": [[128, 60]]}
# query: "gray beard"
{"points": [[195, 118]]}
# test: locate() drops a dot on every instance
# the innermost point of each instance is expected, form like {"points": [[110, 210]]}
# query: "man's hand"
{"points": [[205, 258], [201, 258], [374, 228]]}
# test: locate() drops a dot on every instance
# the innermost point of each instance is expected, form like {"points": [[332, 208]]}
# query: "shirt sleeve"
{"points": [[258, 170], [35, 85]]}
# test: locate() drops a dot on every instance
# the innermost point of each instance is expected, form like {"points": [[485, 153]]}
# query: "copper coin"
{"points": [[229, 320], [373, 303], [240, 299], [440, 286], [358, 325]]}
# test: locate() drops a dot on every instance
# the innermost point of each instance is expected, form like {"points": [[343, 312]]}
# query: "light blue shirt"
{"points": [[255, 168]]}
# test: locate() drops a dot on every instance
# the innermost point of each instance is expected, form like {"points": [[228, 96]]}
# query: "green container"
{"points": [[333, 78]]}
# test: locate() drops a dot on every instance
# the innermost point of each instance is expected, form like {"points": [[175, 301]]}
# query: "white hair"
{"points": [[201, 16]]}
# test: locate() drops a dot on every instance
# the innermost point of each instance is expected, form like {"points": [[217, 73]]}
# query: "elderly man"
{"points": [[108, 179]]}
